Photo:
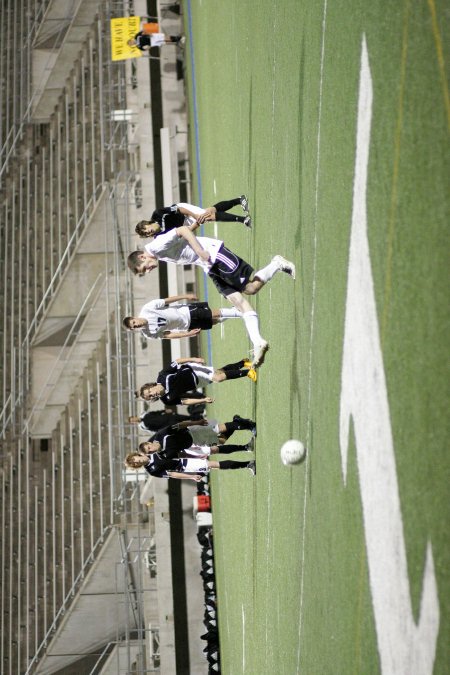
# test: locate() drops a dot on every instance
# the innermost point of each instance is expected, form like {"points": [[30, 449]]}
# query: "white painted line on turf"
{"points": [[404, 647], [311, 335], [243, 638]]}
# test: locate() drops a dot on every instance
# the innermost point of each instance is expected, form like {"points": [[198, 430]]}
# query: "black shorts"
{"points": [[230, 273], [201, 315]]}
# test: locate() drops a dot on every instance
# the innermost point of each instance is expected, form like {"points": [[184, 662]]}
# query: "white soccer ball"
{"points": [[292, 452]]}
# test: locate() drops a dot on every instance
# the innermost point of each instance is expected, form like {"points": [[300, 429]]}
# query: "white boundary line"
{"points": [[311, 335]]}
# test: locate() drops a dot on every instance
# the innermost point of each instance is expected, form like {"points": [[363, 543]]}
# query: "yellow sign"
{"points": [[121, 31]]}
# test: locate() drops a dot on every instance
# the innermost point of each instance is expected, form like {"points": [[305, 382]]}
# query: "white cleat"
{"points": [[285, 265], [260, 354]]}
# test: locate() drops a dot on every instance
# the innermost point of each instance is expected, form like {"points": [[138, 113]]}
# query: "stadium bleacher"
{"points": [[75, 174]]}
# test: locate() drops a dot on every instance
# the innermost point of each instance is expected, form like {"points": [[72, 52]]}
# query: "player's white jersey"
{"points": [[161, 318], [172, 248]]}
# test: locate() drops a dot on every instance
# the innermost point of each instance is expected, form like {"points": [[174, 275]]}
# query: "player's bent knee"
{"points": [[251, 289]]}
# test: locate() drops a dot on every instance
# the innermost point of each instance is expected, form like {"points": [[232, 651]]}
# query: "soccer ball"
{"points": [[292, 452]]}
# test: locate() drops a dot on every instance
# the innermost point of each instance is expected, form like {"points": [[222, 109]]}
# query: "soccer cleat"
{"points": [[248, 222], [244, 203], [182, 41], [285, 265], [251, 466], [260, 354], [252, 374], [250, 446], [244, 423]]}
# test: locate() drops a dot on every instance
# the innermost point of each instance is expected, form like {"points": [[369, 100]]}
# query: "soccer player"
{"points": [[181, 468], [170, 217], [231, 275], [155, 420], [209, 436], [157, 320], [184, 375]]}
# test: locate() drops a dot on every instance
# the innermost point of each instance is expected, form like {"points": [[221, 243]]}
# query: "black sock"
{"points": [[222, 217], [233, 366], [229, 448], [228, 204], [235, 374], [230, 428], [242, 423], [228, 464]]}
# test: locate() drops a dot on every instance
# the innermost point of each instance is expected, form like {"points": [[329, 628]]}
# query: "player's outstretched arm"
{"points": [[207, 215], [191, 423], [186, 212], [187, 423], [193, 401], [185, 476], [193, 242], [190, 297], [183, 334]]}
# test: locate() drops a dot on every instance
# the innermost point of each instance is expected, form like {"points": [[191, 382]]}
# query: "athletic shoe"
{"points": [[285, 265], [244, 203], [250, 446], [247, 363], [252, 374], [244, 423], [251, 466], [260, 354], [182, 41]]}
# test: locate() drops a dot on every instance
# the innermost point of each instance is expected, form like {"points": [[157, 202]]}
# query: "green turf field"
{"points": [[277, 93]]}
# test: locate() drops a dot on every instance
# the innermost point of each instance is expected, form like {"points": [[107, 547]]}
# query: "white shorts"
{"points": [[157, 39], [198, 451], [203, 435], [195, 465], [204, 373]]}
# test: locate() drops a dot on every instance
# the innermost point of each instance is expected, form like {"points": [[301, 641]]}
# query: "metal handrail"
{"points": [[66, 342], [70, 594], [49, 293]]}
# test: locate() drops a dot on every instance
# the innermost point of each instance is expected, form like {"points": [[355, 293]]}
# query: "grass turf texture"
{"points": [[258, 78]]}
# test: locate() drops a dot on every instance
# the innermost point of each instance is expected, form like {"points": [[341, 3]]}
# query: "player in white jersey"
{"points": [[231, 275], [162, 318]]}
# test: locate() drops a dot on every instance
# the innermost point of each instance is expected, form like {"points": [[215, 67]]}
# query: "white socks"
{"points": [[229, 313], [251, 321], [268, 271]]}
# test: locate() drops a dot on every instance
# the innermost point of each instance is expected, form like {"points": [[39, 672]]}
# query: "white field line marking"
{"points": [[311, 335], [404, 647], [243, 638]]}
